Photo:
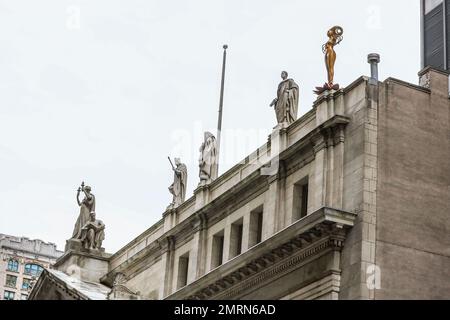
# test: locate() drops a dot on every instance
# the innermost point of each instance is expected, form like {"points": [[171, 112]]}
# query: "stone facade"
{"points": [[351, 201], [21, 260]]}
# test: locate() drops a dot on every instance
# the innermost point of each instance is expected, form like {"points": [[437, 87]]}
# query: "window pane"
{"points": [[8, 295], [33, 269], [13, 265], [11, 281], [26, 284], [24, 297]]}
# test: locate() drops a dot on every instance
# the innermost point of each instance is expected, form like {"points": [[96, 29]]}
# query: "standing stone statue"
{"points": [[87, 205], [92, 233], [178, 187], [208, 159], [286, 102]]}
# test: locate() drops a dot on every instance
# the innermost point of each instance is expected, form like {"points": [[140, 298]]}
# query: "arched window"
{"points": [[33, 269], [13, 265]]}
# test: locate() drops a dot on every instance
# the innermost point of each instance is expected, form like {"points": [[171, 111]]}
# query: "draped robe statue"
{"points": [[178, 187], [208, 159], [87, 205], [286, 102], [93, 233]]}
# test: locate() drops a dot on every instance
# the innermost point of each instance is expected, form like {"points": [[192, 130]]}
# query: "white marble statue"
{"points": [[87, 205], [208, 159], [286, 102], [178, 187]]}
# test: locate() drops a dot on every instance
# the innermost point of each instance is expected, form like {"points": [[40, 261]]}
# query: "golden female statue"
{"points": [[334, 38]]}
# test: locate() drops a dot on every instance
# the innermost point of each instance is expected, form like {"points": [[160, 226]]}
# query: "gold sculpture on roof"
{"points": [[335, 36]]}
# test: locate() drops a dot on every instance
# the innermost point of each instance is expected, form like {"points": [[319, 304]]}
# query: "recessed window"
{"points": [[11, 281], [8, 295], [217, 250], [26, 284], [23, 297], [33, 269], [300, 204], [13, 265], [236, 238], [183, 269], [256, 227]]}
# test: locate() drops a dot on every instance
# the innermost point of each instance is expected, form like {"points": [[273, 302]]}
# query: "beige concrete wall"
{"points": [[148, 282], [359, 174], [141, 242], [413, 195]]}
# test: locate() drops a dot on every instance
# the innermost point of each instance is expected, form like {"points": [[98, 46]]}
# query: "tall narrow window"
{"points": [[183, 269], [236, 238], [256, 227], [304, 207], [25, 284], [13, 265], [300, 204], [217, 250]]}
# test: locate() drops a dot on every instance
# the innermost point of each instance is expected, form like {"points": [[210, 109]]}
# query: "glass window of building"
{"points": [[8, 295], [33, 269], [23, 296], [13, 265], [11, 281], [26, 284]]}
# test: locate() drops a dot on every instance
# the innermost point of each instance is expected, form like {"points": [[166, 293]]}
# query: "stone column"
{"points": [[198, 254], [270, 208], [274, 203], [167, 259], [226, 243], [329, 169], [338, 174], [318, 177], [273, 218], [245, 232]]}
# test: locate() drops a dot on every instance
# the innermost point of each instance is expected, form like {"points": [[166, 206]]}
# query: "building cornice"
{"points": [[407, 84], [308, 237]]}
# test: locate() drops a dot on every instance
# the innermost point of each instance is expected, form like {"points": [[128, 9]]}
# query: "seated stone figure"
{"points": [[93, 233]]}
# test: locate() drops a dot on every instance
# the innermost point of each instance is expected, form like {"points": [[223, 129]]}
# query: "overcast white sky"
{"points": [[103, 91]]}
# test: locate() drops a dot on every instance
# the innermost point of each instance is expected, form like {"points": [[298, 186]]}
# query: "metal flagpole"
{"points": [[219, 124]]}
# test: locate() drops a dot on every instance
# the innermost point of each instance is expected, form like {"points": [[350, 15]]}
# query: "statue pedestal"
{"points": [[202, 195], [329, 104], [84, 264]]}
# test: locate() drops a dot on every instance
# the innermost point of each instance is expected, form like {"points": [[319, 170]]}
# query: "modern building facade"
{"points": [[351, 201], [435, 25], [21, 262]]}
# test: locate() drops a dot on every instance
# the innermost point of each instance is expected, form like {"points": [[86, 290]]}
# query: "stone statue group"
{"points": [[207, 170], [286, 108], [91, 232]]}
